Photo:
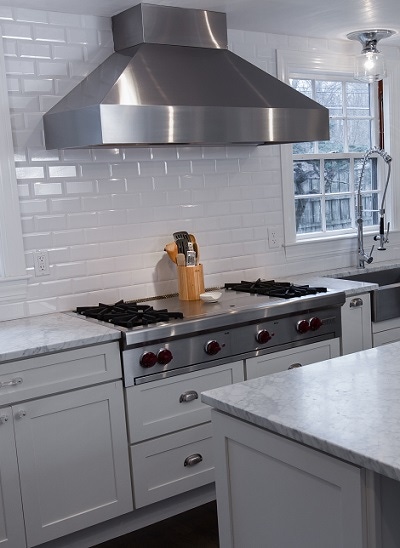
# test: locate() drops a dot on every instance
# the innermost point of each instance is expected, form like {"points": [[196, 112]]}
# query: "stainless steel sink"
{"points": [[385, 300]]}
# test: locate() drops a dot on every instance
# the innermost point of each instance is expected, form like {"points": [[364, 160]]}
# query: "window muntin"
{"points": [[326, 173]]}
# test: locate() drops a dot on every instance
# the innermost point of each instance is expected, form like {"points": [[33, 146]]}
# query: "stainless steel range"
{"points": [[166, 337]]}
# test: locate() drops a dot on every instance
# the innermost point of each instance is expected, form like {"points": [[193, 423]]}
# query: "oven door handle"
{"points": [[190, 395]]}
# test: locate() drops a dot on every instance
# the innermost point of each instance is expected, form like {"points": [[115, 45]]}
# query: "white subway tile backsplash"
{"points": [[37, 241], [79, 187], [47, 189], [49, 34], [37, 85], [152, 168], [30, 16], [50, 222], [67, 52], [64, 19], [68, 237], [34, 50], [30, 172], [112, 217], [52, 68], [22, 31], [19, 66], [82, 36], [65, 205], [85, 252], [62, 171], [95, 170], [83, 220]]}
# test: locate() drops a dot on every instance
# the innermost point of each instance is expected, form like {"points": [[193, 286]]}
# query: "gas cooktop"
{"points": [[182, 318]]}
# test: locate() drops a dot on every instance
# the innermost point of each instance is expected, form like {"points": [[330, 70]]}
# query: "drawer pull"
{"points": [[354, 303], [12, 382], [3, 419], [295, 365], [190, 395], [191, 460], [20, 414]]}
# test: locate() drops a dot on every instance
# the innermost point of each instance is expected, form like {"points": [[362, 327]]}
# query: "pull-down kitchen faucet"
{"points": [[362, 256]]}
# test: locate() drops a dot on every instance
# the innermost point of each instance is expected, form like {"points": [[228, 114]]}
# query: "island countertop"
{"points": [[348, 406], [37, 335]]}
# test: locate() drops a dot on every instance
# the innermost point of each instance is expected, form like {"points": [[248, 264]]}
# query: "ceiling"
{"points": [[331, 19]]}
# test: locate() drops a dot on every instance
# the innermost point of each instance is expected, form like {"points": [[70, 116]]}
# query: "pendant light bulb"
{"points": [[369, 66]]}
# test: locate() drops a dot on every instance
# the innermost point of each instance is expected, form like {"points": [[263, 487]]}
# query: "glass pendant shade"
{"points": [[369, 66]]}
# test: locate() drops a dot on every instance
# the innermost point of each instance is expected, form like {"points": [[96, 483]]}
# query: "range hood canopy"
{"points": [[172, 81]]}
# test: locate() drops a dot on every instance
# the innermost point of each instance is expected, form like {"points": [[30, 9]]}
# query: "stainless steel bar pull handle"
{"points": [[190, 395], [295, 365], [191, 460], [354, 303], [12, 382]]}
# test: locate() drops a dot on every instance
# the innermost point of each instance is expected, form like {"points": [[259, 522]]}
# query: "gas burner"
{"points": [[271, 288], [127, 314]]}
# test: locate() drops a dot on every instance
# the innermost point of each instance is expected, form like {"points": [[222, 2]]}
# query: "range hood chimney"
{"points": [[172, 81]]}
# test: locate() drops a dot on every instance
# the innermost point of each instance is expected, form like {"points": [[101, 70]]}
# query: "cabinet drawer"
{"points": [[158, 466], [167, 405], [44, 375], [280, 361]]}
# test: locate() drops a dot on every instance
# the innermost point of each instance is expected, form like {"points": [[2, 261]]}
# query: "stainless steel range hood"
{"points": [[172, 81]]}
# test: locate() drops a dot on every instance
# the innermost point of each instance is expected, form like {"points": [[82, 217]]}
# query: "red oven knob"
{"points": [[263, 336], [303, 326], [315, 323], [164, 356], [212, 348], [148, 359]]}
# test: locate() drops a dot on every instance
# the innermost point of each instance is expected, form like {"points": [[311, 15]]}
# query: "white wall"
{"points": [[105, 215]]}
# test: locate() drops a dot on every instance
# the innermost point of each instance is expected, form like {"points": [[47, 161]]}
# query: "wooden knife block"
{"points": [[190, 282]]}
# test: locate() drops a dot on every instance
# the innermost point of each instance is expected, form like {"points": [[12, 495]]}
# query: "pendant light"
{"points": [[370, 64]]}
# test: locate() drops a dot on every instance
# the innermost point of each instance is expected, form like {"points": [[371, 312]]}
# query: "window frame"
{"points": [[13, 276], [326, 65]]}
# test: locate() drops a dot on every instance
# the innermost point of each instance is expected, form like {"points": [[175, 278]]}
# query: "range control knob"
{"points": [[303, 326], [263, 336], [212, 348], [164, 356], [315, 323], [148, 359]]}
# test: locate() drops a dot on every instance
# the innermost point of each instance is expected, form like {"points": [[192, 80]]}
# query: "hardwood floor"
{"points": [[197, 528]]}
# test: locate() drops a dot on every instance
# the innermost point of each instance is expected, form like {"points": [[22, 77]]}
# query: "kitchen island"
{"points": [[311, 457]]}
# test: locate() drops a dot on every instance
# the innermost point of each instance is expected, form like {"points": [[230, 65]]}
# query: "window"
{"points": [[327, 201], [326, 174]]}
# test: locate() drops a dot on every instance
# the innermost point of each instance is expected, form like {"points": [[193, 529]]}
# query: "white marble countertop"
{"points": [[36, 335], [348, 406]]}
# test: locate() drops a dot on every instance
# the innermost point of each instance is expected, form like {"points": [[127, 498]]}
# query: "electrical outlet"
{"points": [[275, 238], [41, 262]]}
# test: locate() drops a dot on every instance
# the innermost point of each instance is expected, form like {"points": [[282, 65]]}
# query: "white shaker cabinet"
{"points": [[65, 455], [12, 533], [356, 324]]}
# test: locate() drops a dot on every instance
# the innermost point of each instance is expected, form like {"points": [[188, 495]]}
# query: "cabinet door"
{"points": [[12, 530], [276, 493], [74, 462], [356, 324], [280, 361]]}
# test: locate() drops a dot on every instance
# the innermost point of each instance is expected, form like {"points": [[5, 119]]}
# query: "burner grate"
{"points": [[271, 288], [126, 314]]}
